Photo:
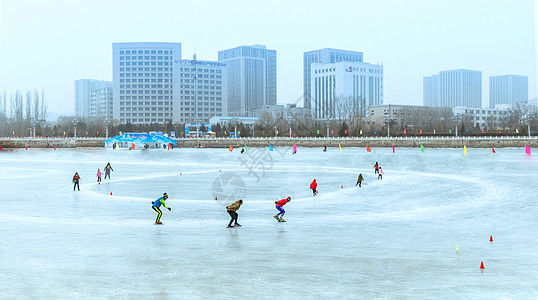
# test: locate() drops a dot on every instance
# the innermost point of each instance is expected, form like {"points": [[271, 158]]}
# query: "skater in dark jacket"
{"points": [[281, 210], [376, 168], [76, 179], [359, 180], [232, 211], [108, 168], [156, 204], [313, 187]]}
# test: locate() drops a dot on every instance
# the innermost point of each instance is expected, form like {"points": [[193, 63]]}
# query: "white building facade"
{"points": [[345, 88], [453, 88], [203, 90], [323, 56], [251, 75], [146, 82], [101, 102], [508, 89], [85, 104]]}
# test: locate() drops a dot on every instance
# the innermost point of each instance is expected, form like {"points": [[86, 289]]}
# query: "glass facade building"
{"points": [[508, 89]]}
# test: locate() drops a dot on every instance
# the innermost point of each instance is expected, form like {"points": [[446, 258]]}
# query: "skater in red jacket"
{"points": [[313, 187], [281, 210]]}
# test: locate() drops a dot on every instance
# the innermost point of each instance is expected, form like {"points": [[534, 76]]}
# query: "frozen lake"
{"points": [[394, 238]]}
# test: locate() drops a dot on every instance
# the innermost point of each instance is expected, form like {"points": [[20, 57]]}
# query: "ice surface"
{"points": [[393, 238]]}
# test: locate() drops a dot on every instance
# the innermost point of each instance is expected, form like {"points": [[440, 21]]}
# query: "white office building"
{"points": [[146, 82], [508, 89], [323, 56], [486, 118], [251, 78], [85, 103], [203, 90], [453, 88], [343, 89]]}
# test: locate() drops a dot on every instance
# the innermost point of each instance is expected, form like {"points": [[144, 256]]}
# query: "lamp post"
{"points": [[75, 122], [34, 125], [106, 122]]}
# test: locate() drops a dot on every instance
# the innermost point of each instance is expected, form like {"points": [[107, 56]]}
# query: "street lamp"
{"points": [[75, 122], [34, 125], [106, 122]]}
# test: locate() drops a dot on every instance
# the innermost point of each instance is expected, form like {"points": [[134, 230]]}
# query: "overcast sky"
{"points": [[49, 44]]}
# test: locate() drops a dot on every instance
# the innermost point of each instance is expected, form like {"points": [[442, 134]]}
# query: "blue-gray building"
{"points": [[251, 78], [508, 89], [453, 88]]}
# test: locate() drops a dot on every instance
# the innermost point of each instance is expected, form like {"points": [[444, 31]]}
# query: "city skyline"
{"points": [[58, 42]]}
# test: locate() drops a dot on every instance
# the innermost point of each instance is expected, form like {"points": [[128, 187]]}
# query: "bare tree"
{"points": [[36, 111], [28, 106], [43, 106]]}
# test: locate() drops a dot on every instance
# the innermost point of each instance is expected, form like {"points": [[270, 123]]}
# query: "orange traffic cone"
{"points": [[491, 238], [481, 265]]}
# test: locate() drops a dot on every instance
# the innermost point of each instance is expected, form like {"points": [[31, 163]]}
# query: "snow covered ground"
{"points": [[393, 238]]}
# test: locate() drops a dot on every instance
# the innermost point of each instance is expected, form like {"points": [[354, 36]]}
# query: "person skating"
{"points": [[108, 168], [281, 210], [313, 187], [360, 180], [376, 168], [156, 204], [324, 148], [99, 174], [232, 211], [76, 179], [380, 174]]}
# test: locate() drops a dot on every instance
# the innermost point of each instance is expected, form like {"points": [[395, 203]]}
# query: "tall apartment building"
{"points": [[508, 89], [203, 90], [323, 56], [251, 72], [345, 88], [146, 82], [87, 99], [453, 88]]}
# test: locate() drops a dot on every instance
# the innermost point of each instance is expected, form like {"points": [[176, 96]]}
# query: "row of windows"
{"points": [[145, 92], [144, 108], [146, 52], [201, 98], [145, 97], [201, 81], [145, 114], [489, 112], [147, 86], [192, 115], [146, 80], [207, 87], [202, 103], [200, 76], [145, 74], [145, 69], [143, 120], [146, 63], [201, 92], [200, 70], [145, 57], [147, 103], [202, 109]]}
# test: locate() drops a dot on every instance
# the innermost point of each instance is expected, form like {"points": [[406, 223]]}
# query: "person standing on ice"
{"points": [[281, 210], [99, 174], [76, 179], [232, 211], [360, 180], [156, 204], [108, 168], [313, 187], [380, 174], [376, 168]]}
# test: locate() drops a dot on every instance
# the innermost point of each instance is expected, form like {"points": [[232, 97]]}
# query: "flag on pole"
{"points": [[422, 149], [493, 150], [361, 132], [270, 147], [340, 147], [368, 148], [393, 149], [231, 148]]}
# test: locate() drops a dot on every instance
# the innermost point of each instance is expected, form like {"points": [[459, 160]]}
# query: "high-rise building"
{"points": [[323, 56], [146, 82], [203, 90], [251, 78], [84, 88], [453, 88], [508, 89], [431, 90], [342, 89], [101, 100]]}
